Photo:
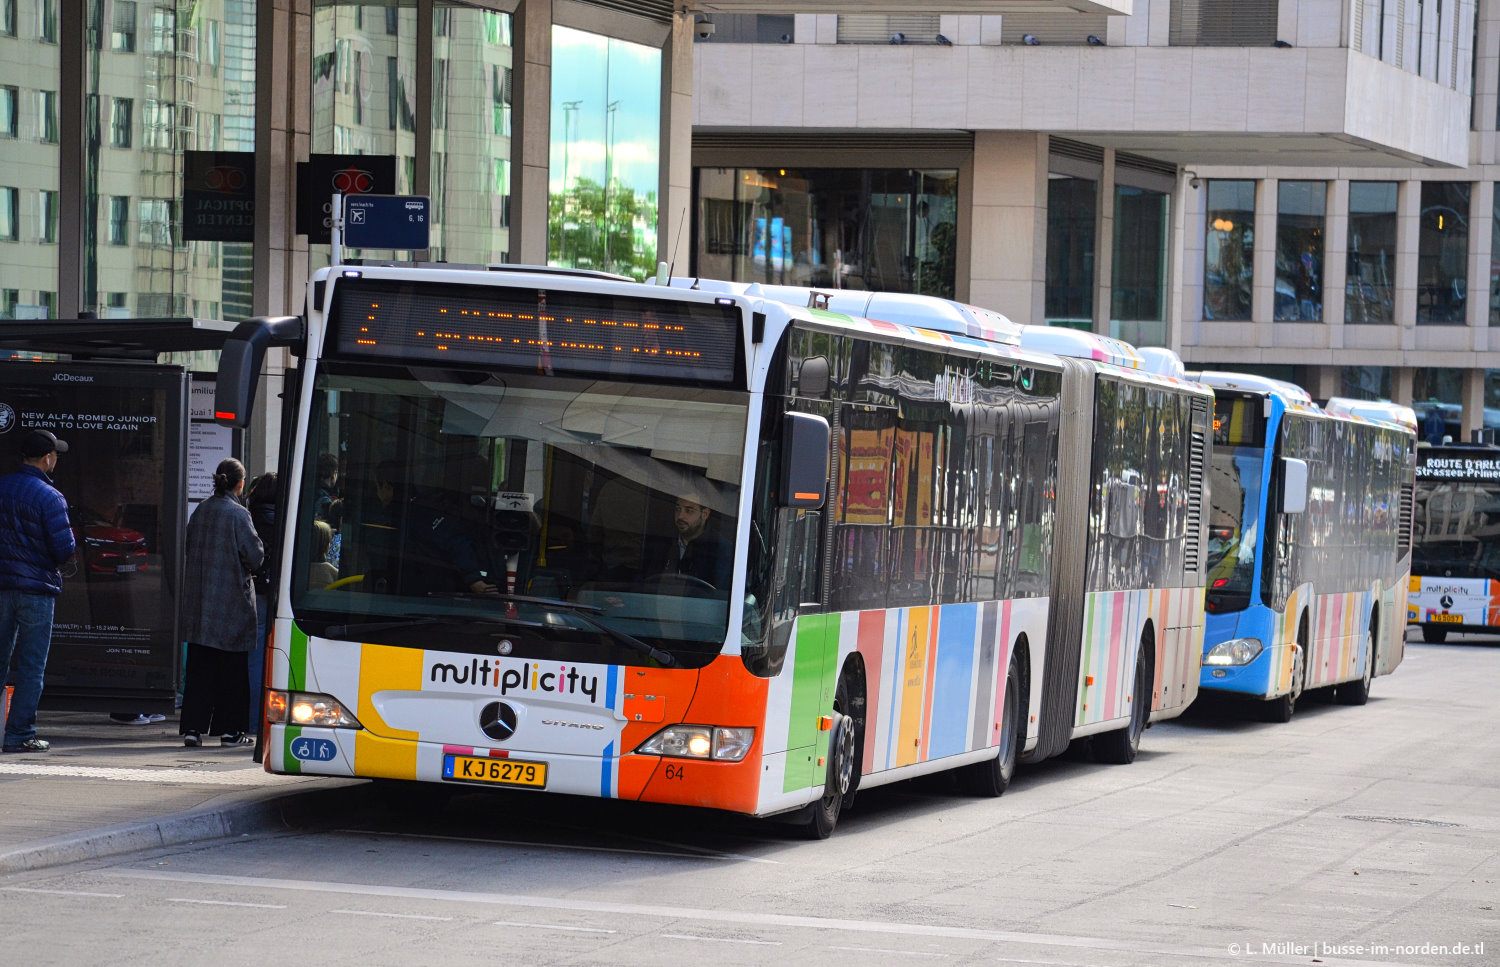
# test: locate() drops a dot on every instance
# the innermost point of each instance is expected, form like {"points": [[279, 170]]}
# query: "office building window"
{"points": [[46, 216], [1443, 254], [1228, 249], [10, 214], [120, 110], [605, 158], [10, 100], [46, 21], [1495, 262], [1222, 23], [46, 118], [122, 28], [155, 225], [9, 299], [888, 230], [163, 30], [1366, 382], [1139, 283], [119, 220], [1440, 390], [1300, 214], [8, 29], [1072, 214], [1369, 290]]}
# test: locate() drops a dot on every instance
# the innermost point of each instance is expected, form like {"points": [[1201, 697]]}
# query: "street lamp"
{"points": [[570, 109], [609, 164]]}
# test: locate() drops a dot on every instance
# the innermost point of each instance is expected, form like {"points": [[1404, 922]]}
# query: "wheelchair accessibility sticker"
{"points": [[314, 750]]}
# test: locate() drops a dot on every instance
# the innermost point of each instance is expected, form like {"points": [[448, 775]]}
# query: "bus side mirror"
{"points": [[1293, 485], [240, 361], [804, 460]]}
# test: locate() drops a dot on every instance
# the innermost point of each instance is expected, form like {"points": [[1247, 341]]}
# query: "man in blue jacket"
{"points": [[35, 540]]}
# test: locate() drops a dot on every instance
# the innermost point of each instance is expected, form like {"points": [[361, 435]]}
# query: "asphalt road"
{"points": [[1348, 836]]}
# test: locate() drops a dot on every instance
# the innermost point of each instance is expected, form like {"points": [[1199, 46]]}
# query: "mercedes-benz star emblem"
{"points": [[498, 721], [1447, 601]]}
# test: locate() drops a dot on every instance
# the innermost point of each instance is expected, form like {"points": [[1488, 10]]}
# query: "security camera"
{"points": [[703, 26], [1194, 183]]}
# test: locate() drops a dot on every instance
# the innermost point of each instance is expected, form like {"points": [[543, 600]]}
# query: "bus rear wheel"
{"points": [[1120, 746], [992, 777], [822, 816], [1434, 635], [1357, 692]]}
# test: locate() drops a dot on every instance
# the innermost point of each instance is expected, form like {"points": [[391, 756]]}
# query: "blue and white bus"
{"points": [[1309, 546]]}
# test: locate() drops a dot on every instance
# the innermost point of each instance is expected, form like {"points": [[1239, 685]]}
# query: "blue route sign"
{"points": [[386, 221]]}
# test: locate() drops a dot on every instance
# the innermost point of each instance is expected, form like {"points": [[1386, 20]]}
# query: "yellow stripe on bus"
{"points": [[383, 669]]}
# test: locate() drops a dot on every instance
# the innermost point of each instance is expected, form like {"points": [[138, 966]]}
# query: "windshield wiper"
{"points": [[584, 612], [343, 631]]}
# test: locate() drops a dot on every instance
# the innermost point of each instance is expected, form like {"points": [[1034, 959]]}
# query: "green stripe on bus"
{"points": [[296, 676], [813, 674], [289, 762]]}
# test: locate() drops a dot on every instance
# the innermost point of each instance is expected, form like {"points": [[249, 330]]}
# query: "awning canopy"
{"points": [[141, 339]]}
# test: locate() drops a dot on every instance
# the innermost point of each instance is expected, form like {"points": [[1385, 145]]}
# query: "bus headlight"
{"points": [[1235, 651], [700, 742], [308, 708]]}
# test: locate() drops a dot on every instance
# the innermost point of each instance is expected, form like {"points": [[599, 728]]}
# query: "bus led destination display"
{"points": [[537, 329]]}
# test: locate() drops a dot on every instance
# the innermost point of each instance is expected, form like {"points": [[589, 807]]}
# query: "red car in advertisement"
{"points": [[105, 548]]}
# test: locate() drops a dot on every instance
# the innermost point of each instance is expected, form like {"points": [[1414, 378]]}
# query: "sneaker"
{"points": [[155, 717], [191, 740], [30, 745], [141, 719], [237, 738]]}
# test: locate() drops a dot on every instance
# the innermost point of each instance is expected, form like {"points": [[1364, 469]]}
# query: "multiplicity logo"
{"points": [[527, 677]]}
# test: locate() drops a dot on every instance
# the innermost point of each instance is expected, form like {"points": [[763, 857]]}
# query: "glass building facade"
{"points": [[887, 230]]}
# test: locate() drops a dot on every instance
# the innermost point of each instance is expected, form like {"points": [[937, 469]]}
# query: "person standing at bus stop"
{"points": [[218, 612], [36, 539]]}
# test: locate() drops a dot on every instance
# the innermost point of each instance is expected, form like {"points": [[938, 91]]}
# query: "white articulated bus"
{"points": [[710, 548]]}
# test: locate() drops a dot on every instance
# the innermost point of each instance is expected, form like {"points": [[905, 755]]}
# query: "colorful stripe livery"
{"points": [[1338, 628], [1114, 624], [934, 678]]}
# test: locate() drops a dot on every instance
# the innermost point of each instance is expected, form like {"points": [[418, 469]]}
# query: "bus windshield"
{"points": [[525, 515], [1234, 517], [1456, 529]]}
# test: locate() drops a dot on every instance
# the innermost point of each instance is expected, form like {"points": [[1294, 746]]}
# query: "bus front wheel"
{"points": [[822, 816], [1357, 692], [1280, 709]]}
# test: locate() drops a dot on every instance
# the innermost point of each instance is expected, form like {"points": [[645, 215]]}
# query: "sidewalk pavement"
{"points": [[107, 788]]}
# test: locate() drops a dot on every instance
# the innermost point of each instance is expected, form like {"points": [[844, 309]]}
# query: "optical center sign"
{"points": [[218, 196]]}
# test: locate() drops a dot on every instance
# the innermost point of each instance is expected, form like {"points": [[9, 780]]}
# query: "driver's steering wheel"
{"points": [[686, 585]]}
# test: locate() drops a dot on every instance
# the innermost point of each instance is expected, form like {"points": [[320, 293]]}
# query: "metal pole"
{"points": [[336, 231]]}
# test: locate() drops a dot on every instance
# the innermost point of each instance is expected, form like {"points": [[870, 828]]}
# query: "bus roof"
{"points": [[919, 311], [1062, 341], [1250, 383], [1383, 410]]}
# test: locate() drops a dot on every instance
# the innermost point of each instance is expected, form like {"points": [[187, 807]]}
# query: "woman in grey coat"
{"points": [[218, 612]]}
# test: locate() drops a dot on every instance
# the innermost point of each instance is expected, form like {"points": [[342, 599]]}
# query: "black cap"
{"points": [[39, 443]]}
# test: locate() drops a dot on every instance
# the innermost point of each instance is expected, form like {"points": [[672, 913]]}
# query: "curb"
{"points": [[273, 811]]}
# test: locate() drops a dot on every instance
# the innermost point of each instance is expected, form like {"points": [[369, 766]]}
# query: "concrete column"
{"points": [[1481, 242], [1335, 261], [1263, 261], [1408, 223], [1487, 65], [1473, 401], [1402, 385], [1007, 257], [531, 145], [675, 209], [1326, 380], [1104, 247]]}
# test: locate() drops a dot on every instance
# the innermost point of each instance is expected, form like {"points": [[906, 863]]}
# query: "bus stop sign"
{"points": [[386, 221]]}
